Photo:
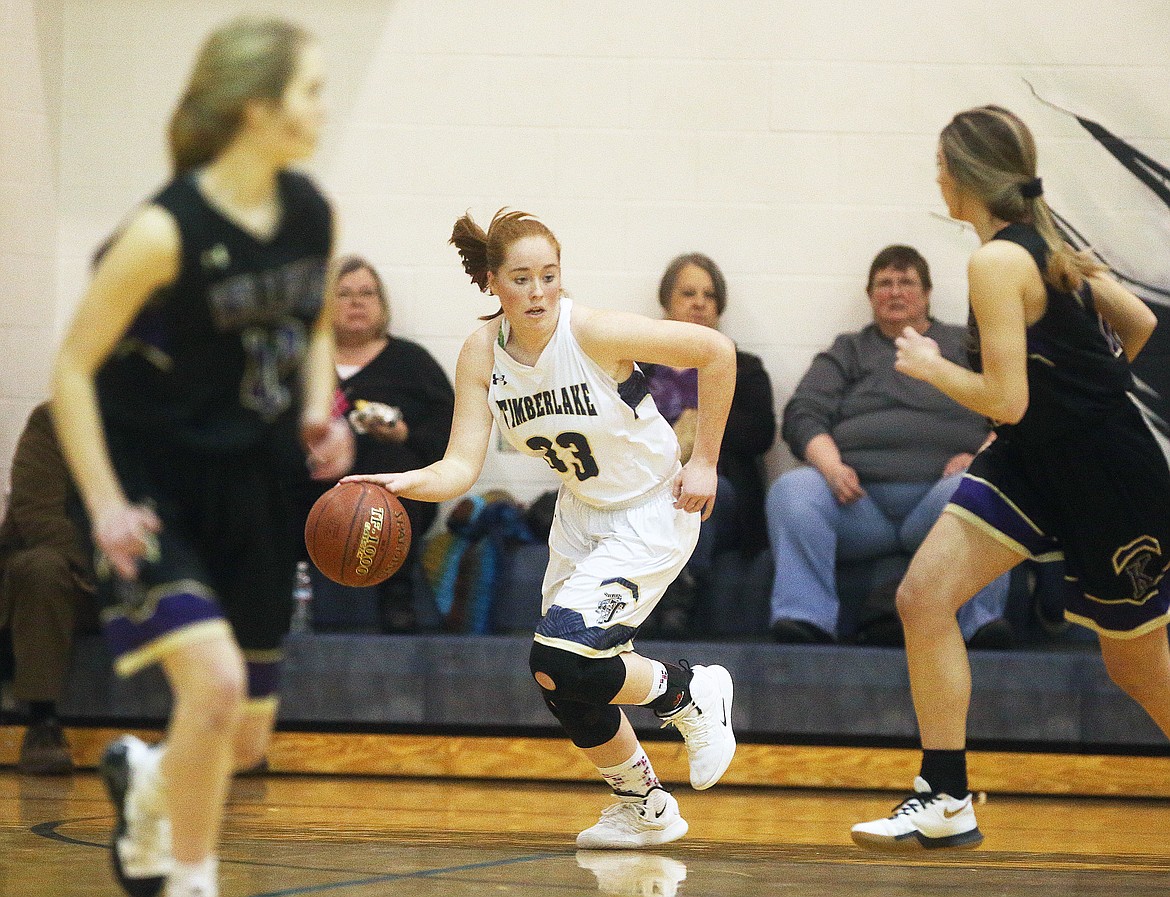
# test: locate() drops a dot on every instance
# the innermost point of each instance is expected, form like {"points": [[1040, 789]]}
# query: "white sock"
{"points": [[657, 682], [635, 776], [194, 879]]}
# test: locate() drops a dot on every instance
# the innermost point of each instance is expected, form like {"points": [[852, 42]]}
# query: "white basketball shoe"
{"points": [[141, 848], [634, 822], [705, 724], [927, 820]]}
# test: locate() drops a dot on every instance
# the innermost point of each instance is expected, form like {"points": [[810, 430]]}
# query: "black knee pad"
{"points": [[590, 680], [587, 725]]}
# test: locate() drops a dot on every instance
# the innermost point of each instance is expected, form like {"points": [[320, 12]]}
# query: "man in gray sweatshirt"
{"points": [[885, 452]]}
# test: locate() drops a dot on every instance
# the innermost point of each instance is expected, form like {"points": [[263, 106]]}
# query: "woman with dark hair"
{"points": [[559, 379], [693, 289], [172, 391], [1075, 471]]}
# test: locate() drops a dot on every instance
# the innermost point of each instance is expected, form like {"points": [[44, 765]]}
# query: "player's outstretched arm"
{"points": [[471, 427]]}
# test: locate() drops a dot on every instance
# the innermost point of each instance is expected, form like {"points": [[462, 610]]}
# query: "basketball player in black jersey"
{"points": [[173, 386], [1075, 471]]}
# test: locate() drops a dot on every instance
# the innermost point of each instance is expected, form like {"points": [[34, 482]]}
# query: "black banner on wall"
{"points": [[1152, 366]]}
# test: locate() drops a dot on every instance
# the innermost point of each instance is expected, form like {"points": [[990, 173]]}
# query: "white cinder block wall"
{"points": [[30, 127], [789, 139]]}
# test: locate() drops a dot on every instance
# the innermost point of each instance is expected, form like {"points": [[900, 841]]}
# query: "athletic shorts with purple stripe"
{"points": [[1101, 503]]}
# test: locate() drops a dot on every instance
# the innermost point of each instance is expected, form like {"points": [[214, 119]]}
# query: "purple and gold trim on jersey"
{"points": [[151, 623], [985, 507]]}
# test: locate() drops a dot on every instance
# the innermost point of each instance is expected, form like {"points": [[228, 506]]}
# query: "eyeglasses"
{"points": [[365, 293], [904, 283]]}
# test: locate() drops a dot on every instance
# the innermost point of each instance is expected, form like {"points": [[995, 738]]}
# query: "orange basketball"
{"points": [[358, 534]]}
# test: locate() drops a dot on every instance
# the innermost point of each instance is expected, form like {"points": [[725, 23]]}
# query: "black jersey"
{"points": [[1081, 476], [210, 361], [1076, 372]]}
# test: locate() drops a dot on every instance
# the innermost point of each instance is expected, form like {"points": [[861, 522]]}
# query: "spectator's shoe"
{"points": [[705, 724], [633, 874], [634, 822], [45, 750], [141, 847], [995, 635], [927, 820], [799, 632]]}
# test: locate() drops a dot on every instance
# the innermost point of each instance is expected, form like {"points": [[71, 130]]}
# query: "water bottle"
{"points": [[302, 618]]}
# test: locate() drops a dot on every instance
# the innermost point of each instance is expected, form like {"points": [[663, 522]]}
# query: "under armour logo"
{"points": [[498, 379]]}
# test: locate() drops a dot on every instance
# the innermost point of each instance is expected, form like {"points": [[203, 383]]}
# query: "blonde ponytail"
{"points": [[991, 153]]}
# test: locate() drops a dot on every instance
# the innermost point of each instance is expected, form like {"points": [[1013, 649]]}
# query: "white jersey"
{"points": [[606, 440]]}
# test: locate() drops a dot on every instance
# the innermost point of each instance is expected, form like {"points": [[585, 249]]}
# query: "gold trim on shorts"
{"points": [[157, 649], [584, 650], [269, 704], [1148, 626], [139, 613], [1003, 538]]}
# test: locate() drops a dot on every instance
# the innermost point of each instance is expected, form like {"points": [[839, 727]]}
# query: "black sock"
{"points": [[41, 711], [678, 690], [946, 771]]}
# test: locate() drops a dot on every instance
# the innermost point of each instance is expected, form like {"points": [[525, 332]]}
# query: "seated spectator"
{"points": [[46, 586], [399, 402], [693, 289], [885, 452]]}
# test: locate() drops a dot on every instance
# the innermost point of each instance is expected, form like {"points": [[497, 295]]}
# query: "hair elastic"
{"points": [[1032, 189]]}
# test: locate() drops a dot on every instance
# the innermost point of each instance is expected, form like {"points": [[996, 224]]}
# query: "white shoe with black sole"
{"points": [[927, 820]]}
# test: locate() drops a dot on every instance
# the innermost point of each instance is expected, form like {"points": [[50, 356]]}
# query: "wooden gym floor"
{"points": [[362, 835]]}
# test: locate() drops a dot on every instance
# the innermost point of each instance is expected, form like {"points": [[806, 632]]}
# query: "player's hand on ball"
{"points": [[330, 447], [917, 354], [125, 534], [394, 483], [694, 490]]}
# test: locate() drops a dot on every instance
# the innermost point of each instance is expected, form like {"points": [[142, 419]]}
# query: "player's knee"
{"points": [[593, 680], [219, 697], [552, 668], [587, 725], [914, 603]]}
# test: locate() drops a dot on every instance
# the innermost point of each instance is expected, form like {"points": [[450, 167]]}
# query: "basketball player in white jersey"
{"points": [[560, 381]]}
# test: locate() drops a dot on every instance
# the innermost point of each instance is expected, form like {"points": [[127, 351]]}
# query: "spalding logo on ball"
{"points": [[358, 534]]}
